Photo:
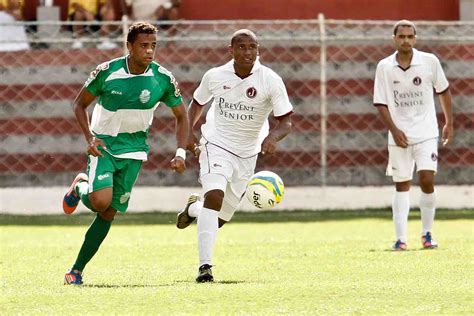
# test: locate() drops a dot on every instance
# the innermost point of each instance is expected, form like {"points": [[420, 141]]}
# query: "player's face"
{"points": [[405, 39], [244, 51], [142, 51]]}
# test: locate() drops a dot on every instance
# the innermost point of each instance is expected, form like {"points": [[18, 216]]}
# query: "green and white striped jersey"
{"points": [[126, 103]]}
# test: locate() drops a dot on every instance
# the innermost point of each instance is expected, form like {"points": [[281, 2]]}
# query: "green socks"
{"points": [[82, 189], [94, 237]]}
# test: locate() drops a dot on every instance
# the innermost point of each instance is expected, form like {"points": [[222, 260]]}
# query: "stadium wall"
{"points": [[309, 9], [448, 10], [172, 199]]}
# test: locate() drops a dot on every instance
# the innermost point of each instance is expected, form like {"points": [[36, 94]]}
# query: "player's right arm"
{"points": [[381, 103], [82, 101], [195, 111], [202, 95], [398, 135]]}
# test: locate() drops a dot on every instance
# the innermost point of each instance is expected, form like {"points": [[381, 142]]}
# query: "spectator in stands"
{"points": [[154, 10], [12, 37], [92, 10], [13, 8], [403, 94]]}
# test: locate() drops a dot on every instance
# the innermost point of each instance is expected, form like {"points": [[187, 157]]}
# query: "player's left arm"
{"points": [[282, 111], [277, 133], [441, 86], [447, 134], [182, 130]]}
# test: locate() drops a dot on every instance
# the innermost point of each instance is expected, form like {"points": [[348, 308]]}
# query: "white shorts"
{"points": [[222, 170], [402, 161]]}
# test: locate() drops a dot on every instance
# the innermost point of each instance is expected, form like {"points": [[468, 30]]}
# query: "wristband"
{"points": [[180, 152]]}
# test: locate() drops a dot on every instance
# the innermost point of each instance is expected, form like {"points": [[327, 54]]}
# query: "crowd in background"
{"points": [[86, 11]]}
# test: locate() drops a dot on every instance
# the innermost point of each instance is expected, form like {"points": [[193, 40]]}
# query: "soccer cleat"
{"points": [[428, 241], [399, 246], [73, 277], [205, 274], [183, 219], [71, 199]]}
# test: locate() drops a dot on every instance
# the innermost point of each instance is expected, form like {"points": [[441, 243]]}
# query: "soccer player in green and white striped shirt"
{"points": [[128, 90]]}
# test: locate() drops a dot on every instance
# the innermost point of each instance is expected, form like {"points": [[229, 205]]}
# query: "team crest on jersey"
{"points": [[417, 81], [434, 156], [251, 93], [145, 96]]}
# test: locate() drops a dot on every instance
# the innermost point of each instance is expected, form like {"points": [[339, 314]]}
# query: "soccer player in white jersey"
{"points": [[403, 95], [236, 130], [129, 89]]}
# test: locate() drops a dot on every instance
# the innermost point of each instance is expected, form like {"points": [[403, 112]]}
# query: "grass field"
{"points": [[265, 263]]}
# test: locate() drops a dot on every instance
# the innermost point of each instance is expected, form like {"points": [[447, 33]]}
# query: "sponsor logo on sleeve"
{"points": [[177, 92], [103, 66], [93, 74]]}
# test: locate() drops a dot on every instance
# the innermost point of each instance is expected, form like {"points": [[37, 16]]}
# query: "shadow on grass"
{"points": [[231, 282], [216, 282], [408, 250], [124, 286], [240, 217], [114, 286]]}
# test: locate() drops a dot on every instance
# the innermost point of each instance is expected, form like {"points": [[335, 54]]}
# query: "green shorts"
{"points": [[118, 173]]}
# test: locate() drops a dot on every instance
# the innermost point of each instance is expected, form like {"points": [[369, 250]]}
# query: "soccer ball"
{"points": [[265, 189]]}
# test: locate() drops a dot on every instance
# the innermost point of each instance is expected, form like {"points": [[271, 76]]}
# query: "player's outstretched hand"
{"points": [[447, 135], [93, 147], [269, 146], [178, 164]]}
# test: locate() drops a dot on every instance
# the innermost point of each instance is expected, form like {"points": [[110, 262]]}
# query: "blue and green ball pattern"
{"points": [[271, 181]]}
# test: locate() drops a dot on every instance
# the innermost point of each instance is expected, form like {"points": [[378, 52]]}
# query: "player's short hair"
{"points": [[140, 28], [242, 32], [404, 23]]}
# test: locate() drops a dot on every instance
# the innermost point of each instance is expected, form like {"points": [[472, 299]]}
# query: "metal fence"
{"points": [[328, 67]]}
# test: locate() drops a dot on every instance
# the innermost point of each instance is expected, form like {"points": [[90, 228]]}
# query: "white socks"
{"points": [[195, 208], [427, 209], [207, 227], [400, 209]]}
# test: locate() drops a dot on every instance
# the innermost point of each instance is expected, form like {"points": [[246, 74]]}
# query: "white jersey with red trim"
{"points": [[238, 117], [408, 94]]}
